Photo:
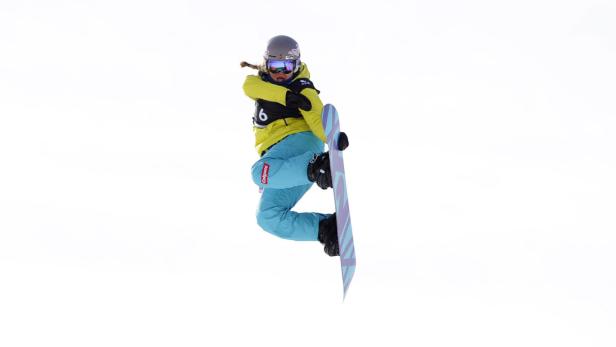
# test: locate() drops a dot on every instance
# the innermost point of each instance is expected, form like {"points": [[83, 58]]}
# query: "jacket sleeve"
{"points": [[313, 117], [255, 88]]}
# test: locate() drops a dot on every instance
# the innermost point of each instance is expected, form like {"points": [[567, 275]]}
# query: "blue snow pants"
{"points": [[282, 174]]}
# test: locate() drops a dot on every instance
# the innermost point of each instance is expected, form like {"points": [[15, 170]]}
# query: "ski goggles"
{"points": [[278, 66]]}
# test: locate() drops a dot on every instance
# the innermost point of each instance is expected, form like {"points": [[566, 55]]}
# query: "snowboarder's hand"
{"points": [[343, 141], [294, 100]]}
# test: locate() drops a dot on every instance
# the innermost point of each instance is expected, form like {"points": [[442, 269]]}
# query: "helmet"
{"points": [[283, 47]]}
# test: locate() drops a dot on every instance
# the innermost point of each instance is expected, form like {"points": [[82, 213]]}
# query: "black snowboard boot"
{"points": [[328, 235], [319, 171]]}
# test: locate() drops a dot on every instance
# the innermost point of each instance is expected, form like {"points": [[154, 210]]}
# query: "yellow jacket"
{"points": [[256, 88]]}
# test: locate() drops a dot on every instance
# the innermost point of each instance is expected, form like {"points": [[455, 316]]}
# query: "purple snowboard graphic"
{"points": [[331, 124]]}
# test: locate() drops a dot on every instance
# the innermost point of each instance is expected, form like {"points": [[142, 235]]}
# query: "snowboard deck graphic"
{"points": [[331, 124]]}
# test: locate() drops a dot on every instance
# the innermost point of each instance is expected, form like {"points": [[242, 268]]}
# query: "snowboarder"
{"points": [[290, 140]]}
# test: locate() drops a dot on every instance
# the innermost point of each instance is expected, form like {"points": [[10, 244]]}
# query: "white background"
{"points": [[480, 171]]}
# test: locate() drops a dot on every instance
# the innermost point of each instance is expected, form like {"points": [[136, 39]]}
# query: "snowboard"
{"points": [[331, 124]]}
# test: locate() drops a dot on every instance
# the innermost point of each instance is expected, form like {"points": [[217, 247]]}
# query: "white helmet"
{"points": [[283, 47]]}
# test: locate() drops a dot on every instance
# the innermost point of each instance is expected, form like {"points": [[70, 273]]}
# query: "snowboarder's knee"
{"points": [[270, 221], [260, 173]]}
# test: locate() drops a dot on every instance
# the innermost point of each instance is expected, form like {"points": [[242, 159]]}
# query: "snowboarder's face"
{"points": [[280, 76], [280, 70]]}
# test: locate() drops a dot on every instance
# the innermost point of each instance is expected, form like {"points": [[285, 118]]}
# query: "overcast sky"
{"points": [[480, 173]]}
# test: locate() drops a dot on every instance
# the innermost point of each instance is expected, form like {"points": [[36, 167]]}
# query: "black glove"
{"points": [[343, 141], [298, 101]]}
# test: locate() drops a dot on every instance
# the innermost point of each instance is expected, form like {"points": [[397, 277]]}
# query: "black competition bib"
{"points": [[267, 112]]}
